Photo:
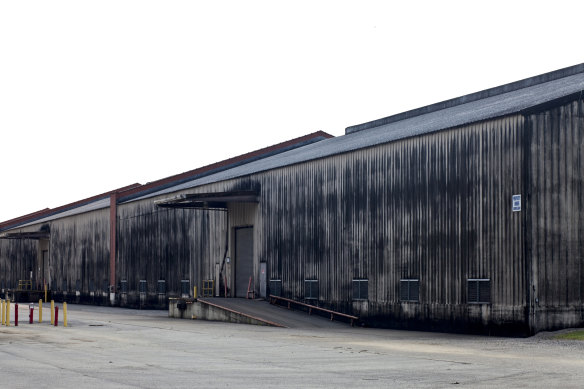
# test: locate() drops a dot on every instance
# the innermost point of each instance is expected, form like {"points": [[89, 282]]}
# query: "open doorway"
{"points": [[43, 265]]}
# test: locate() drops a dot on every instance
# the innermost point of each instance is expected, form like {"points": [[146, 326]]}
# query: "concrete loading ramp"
{"points": [[247, 311]]}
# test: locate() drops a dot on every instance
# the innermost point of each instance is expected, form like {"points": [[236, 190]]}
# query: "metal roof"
{"points": [[514, 101], [495, 102], [95, 205], [129, 192]]}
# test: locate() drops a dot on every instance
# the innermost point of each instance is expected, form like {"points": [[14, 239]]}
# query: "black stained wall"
{"points": [[556, 216], [435, 207], [17, 258], [166, 244], [79, 257]]}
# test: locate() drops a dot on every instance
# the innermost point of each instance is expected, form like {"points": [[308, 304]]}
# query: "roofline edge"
{"points": [[498, 90]]}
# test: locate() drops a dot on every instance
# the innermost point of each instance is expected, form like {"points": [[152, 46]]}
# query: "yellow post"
{"points": [[7, 313], [40, 310], [52, 312], [45, 293], [2, 312], [65, 314], [195, 292]]}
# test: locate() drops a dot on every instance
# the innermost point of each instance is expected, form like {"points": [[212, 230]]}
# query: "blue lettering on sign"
{"points": [[516, 200]]}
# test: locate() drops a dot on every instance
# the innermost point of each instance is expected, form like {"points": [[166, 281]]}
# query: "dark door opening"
{"points": [[243, 260], [42, 269]]}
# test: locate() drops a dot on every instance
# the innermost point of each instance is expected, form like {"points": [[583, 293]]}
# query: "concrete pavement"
{"points": [[121, 348]]}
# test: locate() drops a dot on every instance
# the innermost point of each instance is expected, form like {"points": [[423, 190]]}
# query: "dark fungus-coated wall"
{"points": [[79, 257], [435, 207], [170, 245], [555, 206], [17, 259]]}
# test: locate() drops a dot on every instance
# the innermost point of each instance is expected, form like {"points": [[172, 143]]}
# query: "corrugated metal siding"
{"points": [[79, 255], [436, 207], [556, 209], [17, 258], [167, 244]]}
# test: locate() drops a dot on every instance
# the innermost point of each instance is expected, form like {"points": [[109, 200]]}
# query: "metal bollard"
{"points": [[16, 315], [64, 314], [30, 314], [40, 310], [56, 316], [52, 312]]}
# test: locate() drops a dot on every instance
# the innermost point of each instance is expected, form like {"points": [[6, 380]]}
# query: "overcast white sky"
{"points": [[96, 95]]}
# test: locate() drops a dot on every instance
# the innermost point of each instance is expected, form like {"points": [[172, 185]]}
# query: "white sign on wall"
{"points": [[516, 203]]}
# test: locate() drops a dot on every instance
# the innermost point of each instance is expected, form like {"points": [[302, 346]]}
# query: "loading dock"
{"points": [[248, 311]]}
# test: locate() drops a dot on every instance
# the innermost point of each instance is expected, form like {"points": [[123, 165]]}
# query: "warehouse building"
{"points": [[465, 215]]}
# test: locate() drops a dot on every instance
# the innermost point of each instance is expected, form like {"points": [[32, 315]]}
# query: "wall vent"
{"points": [[409, 289], [161, 287], [311, 289], [360, 289], [276, 288], [479, 290]]}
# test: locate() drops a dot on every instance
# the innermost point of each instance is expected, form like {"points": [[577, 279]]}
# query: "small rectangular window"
{"points": [[105, 286], [91, 285], [409, 289], [276, 287], [124, 286], [64, 286], [479, 290], [143, 286], [360, 289], [161, 287], [208, 288], [185, 287], [311, 289], [78, 285]]}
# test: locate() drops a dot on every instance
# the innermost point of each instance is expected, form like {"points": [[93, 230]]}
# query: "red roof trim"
{"points": [[50, 211], [229, 161], [136, 188]]}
